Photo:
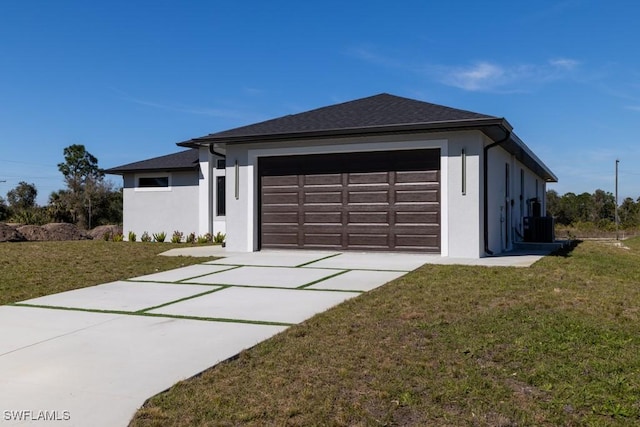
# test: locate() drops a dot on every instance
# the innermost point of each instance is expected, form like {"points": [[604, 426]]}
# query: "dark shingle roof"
{"points": [[187, 159], [374, 112]]}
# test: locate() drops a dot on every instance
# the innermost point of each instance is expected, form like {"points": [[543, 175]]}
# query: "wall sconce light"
{"points": [[237, 170]]}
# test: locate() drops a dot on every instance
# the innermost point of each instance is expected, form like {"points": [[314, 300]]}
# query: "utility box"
{"points": [[539, 229]]}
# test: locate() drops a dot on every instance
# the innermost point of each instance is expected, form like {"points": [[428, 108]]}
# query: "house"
{"points": [[378, 173]]}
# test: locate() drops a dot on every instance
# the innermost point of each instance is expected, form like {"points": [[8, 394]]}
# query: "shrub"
{"points": [[218, 238], [177, 237], [118, 237], [132, 236], [33, 216], [203, 239], [159, 237], [106, 236], [191, 238], [145, 237]]}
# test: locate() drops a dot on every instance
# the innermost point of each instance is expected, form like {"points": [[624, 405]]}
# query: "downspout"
{"points": [[485, 164], [212, 151]]}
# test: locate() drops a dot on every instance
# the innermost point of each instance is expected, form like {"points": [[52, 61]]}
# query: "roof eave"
{"points": [[524, 154], [118, 171], [494, 127], [480, 124]]}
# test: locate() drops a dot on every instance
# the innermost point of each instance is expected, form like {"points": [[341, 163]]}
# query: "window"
{"points": [[220, 196], [153, 181], [521, 192], [220, 164]]}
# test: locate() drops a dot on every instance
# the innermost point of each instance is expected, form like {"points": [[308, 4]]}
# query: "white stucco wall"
{"points": [[461, 231], [161, 209], [498, 158], [524, 184], [464, 212]]}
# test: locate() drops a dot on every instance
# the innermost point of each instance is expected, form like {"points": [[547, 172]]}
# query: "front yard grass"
{"points": [[554, 344], [33, 269]]}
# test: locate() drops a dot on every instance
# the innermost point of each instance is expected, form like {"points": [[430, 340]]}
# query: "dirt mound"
{"points": [[62, 231], [34, 233], [10, 234], [99, 232]]}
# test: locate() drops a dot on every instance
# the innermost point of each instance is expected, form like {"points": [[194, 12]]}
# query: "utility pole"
{"points": [[617, 218]]}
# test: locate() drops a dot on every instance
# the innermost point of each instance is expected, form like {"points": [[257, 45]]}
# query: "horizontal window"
{"points": [[153, 182]]}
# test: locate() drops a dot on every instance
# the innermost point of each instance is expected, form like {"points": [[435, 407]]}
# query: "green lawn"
{"points": [[32, 269], [554, 344]]}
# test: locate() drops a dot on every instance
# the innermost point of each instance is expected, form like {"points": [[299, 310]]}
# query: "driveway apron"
{"points": [[92, 356]]}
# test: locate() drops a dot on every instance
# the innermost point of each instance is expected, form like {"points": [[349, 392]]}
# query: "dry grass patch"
{"points": [[33, 269]]}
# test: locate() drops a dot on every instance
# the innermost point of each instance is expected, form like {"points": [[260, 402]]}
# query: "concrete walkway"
{"points": [[92, 356]]}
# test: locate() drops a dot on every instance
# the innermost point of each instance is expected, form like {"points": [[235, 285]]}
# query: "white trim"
{"points": [[137, 176], [444, 197]]}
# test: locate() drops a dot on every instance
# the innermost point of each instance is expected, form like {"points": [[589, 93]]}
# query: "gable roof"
{"points": [[183, 160], [374, 114]]}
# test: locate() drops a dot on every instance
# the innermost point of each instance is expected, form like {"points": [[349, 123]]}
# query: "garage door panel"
{"points": [[325, 228], [417, 207], [323, 217], [417, 217], [416, 229], [379, 217], [277, 181], [326, 179], [323, 197], [417, 176], [368, 178], [327, 240], [280, 239], [366, 201], [413, 241], [284, 228], [321, 208], [280, 199], [311, 189], [368, 240], [411, 196], [368, 197], [280, 217]]}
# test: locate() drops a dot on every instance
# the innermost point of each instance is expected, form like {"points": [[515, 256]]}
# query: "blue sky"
{"points": [[129, 79]]}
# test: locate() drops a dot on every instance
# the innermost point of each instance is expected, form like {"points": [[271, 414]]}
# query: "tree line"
{"points": [[597, 209], [87, 201]]}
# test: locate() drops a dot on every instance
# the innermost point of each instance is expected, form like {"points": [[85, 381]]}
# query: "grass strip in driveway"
{"points": [[316, 260], [137, 313], [322, 280], [182, 299], [554, 344]]}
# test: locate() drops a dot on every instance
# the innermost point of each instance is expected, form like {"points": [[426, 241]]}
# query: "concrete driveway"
{"points": [[93, 356]]}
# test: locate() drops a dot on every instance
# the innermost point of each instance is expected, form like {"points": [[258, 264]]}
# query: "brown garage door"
{"points": [[386, 200]]}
